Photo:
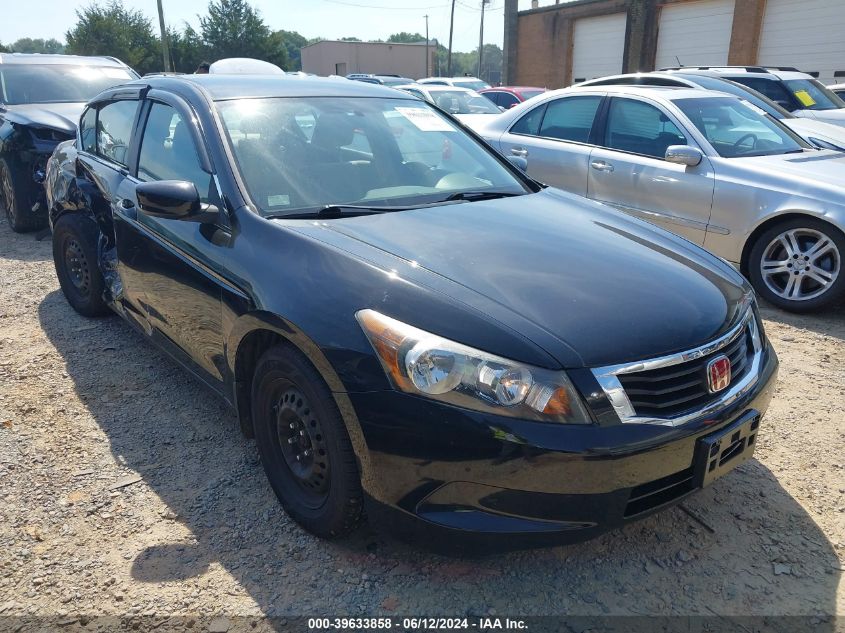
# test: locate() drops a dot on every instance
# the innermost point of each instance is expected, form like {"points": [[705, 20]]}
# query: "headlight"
{"points": [[425, 364]]}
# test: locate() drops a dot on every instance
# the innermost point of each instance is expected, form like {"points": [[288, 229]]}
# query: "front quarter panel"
{"points": [[748, 194]]}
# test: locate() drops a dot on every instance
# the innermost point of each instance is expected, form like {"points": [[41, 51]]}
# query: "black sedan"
{"points": [[41, 97], [403, 320]]}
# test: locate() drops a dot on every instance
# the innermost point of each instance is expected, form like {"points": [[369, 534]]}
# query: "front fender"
{"points": [[260, 324]]}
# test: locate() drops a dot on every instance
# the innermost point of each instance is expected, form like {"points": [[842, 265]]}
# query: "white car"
{"points": [[466, 105], [818, 133], [705, 165], [802, 94], [473, 83]]}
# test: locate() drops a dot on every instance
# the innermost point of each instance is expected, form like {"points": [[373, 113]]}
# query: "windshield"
{"points": [[462, 102], [530, 94], [474, 84], [299, 155], [736, 128], [56, 83], [743, 92], [813, 95]]}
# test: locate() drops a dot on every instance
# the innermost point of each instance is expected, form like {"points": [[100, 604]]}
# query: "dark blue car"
{"points": [[407, 324]]}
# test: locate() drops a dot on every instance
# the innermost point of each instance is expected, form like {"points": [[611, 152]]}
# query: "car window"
{"points": [[416, 93], [463, 102], [168, 151], [492, 96], [88, 130], [570, 118], [772, 88], [640, 128], [743, 92], [471, 85], [114, 127], [506, 100], [734, 128], [361, 151], [529, 124], [57, 83]]}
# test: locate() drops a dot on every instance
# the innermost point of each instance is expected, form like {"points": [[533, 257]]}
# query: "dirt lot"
{"points": [[125, 488]]}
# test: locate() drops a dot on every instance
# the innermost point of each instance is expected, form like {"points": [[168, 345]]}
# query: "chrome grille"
{"points": [[673, 390]]}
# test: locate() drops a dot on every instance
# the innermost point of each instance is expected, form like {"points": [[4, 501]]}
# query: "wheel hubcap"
{"points": [[302, 442], [800, 264], [77, 266]]}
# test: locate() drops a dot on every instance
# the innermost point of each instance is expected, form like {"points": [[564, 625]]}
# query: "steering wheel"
{"points": [[739, 141]]}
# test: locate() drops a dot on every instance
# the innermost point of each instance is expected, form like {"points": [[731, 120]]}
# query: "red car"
{"points": [[507, 97]]}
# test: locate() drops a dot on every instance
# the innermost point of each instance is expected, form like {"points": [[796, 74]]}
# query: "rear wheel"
{"points": [[14, 201], [797, 265], [304, 446], [75, 258]]}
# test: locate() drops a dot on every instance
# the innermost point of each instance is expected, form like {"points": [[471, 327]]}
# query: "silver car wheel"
{"points": [[800, 264]]}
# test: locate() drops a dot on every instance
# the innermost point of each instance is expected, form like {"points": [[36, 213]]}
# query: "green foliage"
{"points": [[293, 42], [233, 28], [29, 45], [3, 49], [406, 38], [114, 30]]}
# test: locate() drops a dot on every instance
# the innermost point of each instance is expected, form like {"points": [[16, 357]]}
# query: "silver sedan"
{"points": [[702, 164]]}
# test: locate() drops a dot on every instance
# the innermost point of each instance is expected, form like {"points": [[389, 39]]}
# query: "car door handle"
{"points": [[519, 151], [127, 204], [600, 165]]}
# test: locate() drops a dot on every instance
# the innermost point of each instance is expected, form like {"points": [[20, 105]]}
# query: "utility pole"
{"points": [[451, 31], [484, 3], [427, 54], [165, 48]]}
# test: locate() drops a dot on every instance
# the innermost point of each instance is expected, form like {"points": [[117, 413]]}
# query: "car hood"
{"points": [[56, 116], [835, 116], [564, 272], [815, 173], [813, 128]]}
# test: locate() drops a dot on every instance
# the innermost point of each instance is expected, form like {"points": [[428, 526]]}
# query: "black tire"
{"points": [[320, 490], [75, 258], [806, 232], [14, 201]]}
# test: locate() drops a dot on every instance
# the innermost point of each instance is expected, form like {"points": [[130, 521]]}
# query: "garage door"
{"points": [[696, 33], [806, 35], [597, 46]]}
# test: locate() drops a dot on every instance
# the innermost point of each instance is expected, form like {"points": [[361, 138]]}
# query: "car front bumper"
{"points": [[516, 483]]}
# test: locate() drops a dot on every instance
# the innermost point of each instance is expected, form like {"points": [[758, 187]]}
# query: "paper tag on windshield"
{"points": [[805, 98], [425, 119]]}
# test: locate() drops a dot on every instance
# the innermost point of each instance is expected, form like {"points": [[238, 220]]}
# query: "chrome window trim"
{"points": [[608, 377]]}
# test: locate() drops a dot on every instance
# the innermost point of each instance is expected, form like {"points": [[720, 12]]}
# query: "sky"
{"points": [[330, 19]]}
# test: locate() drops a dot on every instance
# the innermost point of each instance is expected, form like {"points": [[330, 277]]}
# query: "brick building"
{"points": [[560, 44]]}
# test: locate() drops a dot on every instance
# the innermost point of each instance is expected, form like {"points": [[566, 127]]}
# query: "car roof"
{"points": [[49, 59], [659, 93], [222, 87], [439, 88], [761, 72]]}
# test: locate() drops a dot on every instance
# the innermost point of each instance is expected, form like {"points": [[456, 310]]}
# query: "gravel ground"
{"points": [[126, 489]]}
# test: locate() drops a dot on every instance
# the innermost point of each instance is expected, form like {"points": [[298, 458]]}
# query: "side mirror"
{"points": [[170, 199], [683, 155], [519, 162]]}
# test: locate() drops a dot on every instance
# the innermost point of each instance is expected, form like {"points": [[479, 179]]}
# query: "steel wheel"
{"points": [[800, 264], [7, 192], [77, 268], [301, 441]]}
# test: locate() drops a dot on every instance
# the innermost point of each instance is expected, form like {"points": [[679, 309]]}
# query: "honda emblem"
{"points": [[719, 373]]}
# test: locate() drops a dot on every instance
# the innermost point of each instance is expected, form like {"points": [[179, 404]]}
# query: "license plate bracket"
{"points": [[721, 452]]}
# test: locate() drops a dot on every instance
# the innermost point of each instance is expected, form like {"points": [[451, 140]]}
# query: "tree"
{"points": [[233, 28], [29, 45], [351, 39], [293, 43], [406, 38], [3, 49], [187, 50], [114, 30]]}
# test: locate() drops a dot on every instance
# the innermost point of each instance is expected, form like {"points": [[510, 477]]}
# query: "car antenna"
{"points": [[677, 59]]}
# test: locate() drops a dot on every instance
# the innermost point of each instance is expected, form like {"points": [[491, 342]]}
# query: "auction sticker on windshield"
{"points": [[425, 119]]}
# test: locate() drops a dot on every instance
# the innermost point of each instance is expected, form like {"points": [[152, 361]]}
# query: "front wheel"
{"points": [[13, 199], [797, 265], [304, 446]]}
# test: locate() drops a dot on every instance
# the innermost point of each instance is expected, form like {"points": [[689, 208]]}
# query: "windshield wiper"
{"points": [[336, 211], [479, 195]]}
